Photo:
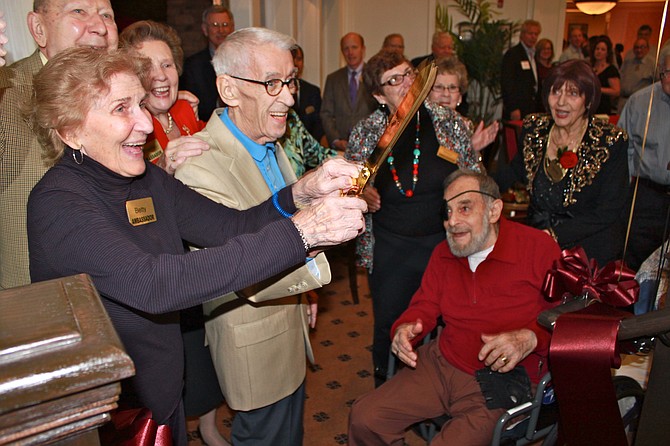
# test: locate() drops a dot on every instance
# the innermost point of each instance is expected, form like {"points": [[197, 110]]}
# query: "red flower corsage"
{"points": [[566, 158]]}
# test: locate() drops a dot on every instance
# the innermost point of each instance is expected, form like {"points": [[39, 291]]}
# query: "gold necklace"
{"points": [[553, 167]]}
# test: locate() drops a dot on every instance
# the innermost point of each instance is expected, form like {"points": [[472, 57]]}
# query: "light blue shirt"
{"points": [[262, 154], [266, 160]]}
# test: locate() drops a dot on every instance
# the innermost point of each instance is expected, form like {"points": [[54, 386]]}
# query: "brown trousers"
{"points": [[435, 387]]}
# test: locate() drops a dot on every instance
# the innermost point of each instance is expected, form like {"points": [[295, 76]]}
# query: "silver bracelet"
{"points": [[302, 236]]}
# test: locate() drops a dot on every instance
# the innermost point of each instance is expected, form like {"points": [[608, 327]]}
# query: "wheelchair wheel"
{"points": [[630, 397]]}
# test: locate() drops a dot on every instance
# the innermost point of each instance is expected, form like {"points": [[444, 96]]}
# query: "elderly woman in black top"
{"points": [[575, 165], [103, 210]]}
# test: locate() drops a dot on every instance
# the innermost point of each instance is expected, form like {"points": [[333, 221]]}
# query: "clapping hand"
{"points": [[482, 137]]}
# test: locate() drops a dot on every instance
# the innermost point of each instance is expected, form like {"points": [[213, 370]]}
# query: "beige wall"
{"points": [[318, 25]]}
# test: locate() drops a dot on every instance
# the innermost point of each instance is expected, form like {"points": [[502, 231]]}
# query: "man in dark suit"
{"points": [[518, 79], [345, 98], [198, 76], [307, 99], [21, 165]]}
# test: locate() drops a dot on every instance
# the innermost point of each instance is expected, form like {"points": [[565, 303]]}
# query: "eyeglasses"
{"points": [[398, 79], [274, 86], [219, 24], [438, 88], [663, 74]]}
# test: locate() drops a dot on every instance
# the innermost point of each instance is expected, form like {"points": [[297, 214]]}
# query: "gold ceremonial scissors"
{"points": [[397, 123]]}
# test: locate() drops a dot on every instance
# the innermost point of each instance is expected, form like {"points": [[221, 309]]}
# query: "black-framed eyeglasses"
{"points": [[274, 86], [397, 79], [439, 88]]}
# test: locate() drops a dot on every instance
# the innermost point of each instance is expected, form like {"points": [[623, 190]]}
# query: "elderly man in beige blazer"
{"points": [[258, 346]]}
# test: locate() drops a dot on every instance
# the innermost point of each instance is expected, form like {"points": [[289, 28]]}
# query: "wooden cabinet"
{"points": [[60, 363]]}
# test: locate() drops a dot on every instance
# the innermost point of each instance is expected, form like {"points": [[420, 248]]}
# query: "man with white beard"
{"points": [[485, 281]]}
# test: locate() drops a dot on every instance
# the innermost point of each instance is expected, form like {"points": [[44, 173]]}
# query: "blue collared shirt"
{"points": [[262, 154], [266, 161]]}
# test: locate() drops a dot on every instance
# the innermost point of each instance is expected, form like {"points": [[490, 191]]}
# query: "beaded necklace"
{"points": [[170, 124], [415, 163]]}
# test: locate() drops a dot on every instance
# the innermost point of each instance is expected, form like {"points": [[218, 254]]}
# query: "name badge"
{"points": [[152, 151], [447, 154], [525, 65], [141, 211]]}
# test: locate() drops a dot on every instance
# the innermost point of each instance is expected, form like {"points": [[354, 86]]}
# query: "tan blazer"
{"points": [[21, 167], [258, 348]]}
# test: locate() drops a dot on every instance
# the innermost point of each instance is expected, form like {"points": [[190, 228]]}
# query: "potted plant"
{"points": [[480, 44]]}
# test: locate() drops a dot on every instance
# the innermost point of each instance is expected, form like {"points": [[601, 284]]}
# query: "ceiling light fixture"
{"points": [[595, 7]]}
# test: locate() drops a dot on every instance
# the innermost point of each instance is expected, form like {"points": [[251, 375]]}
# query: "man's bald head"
{"points": [[60, 24]]}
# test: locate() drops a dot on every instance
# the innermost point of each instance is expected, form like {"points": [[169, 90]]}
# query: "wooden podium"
{"points": [[60, 363]]}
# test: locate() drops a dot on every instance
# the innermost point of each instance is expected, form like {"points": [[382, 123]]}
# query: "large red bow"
{"points": [[573, 273]]}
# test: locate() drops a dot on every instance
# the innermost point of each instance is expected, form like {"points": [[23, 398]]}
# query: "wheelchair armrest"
{"points": [[548, 317]]}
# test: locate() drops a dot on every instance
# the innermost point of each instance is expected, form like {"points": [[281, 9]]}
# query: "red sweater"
{"points": [[504, 294]]}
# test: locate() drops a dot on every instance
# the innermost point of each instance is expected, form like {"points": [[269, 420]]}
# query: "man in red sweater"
{"points": [[485, 282]]}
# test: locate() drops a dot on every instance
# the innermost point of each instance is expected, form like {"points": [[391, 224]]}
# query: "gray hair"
{"points": [[487, 185], [235, 54], [665, 54], [451, 65], [216, 9]]}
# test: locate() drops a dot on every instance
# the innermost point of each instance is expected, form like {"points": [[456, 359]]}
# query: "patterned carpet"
{"points": [[341, 342]]}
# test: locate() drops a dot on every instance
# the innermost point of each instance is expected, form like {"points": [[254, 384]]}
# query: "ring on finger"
{"points": [[172, 157], [503, 359]]}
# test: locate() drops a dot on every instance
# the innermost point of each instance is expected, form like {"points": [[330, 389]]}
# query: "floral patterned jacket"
{"points": [[303, 151], [452, 130]]}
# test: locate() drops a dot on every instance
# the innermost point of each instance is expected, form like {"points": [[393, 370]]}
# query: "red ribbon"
{"points": [[135, 427], [576, 275], [584, 347]]}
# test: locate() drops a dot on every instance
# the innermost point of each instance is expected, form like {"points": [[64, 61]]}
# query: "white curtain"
{"points": [[21, 43]]}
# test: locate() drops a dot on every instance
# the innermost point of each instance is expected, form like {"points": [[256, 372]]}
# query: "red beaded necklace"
{"points": [[415, 163]]}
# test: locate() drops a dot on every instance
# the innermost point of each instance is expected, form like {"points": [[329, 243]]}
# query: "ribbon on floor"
{"points": [[134, 427]]}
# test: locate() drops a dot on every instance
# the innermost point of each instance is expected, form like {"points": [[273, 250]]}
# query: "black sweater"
{"points": [[77, 223]]}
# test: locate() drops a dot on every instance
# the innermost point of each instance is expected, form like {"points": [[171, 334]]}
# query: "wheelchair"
{"points": [[537, 419]]}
